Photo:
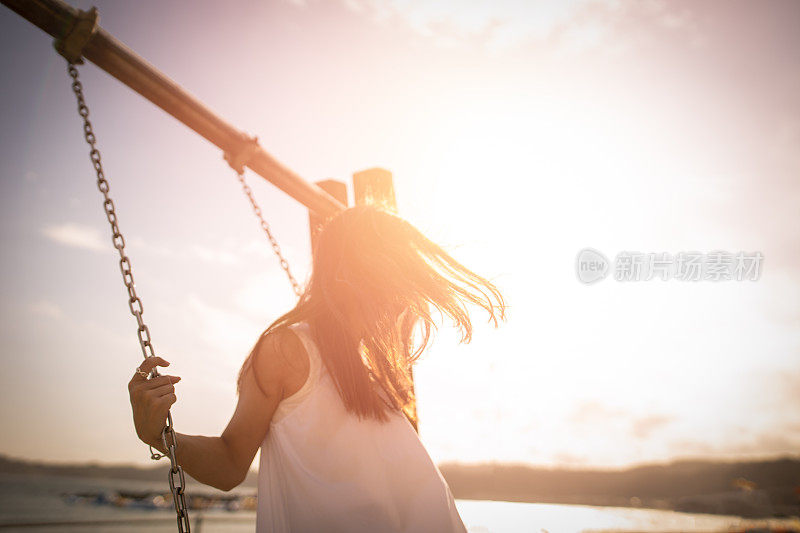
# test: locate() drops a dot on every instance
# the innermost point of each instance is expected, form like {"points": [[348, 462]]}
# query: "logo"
{"points": [[591, 266]]}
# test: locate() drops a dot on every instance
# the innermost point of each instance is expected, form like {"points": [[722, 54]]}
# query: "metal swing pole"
{"points": [[78, 36]]}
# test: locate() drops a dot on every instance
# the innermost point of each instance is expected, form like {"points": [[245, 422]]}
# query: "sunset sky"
{"points": [[518, 133]]}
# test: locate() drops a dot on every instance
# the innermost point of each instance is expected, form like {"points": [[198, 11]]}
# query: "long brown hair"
{"points": [[374, 279]]}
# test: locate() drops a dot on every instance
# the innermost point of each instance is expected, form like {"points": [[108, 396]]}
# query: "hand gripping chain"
{"points": [[177, 482]]}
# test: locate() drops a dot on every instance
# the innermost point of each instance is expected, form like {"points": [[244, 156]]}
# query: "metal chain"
{"points": [[275, 247], [177, 481]]}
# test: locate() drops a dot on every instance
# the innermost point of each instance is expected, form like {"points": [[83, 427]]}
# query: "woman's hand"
{"points": [[151, 400]]}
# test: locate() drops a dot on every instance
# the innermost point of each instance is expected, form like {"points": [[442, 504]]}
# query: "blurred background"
{"points": [[518, 133]]}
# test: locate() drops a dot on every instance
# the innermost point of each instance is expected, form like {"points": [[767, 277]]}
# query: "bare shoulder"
{"points": [[279, 362]]}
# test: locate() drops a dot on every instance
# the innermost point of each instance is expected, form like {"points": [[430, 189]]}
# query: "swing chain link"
{"points": [[176, 478], [275, 246]]}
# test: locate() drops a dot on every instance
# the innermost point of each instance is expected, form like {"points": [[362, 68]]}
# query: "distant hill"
{"points": [[96, 471], [751, 489]]}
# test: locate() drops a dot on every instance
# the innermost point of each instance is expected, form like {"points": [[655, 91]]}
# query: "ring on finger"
{"points": [[141, 372]]}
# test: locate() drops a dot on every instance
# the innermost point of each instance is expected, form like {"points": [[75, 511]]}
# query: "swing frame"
{"points": [[78, 36]]}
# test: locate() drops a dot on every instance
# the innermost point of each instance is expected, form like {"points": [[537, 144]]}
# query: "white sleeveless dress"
{"points": [[324, 470]]}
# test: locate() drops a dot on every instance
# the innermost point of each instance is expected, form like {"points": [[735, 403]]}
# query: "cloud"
{"points": [[593, 414], [753, 444], [220, 328], [505, 24], [770, 443], [45, 309], [569, 459], [498, 24], [643, 427], [76, 236], [214, 255], [626, 25], [162, 250], [267, 294], [222, 255]]}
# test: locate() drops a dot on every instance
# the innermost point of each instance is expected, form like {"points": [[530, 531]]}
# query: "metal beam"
{"points": [[58, 19]]}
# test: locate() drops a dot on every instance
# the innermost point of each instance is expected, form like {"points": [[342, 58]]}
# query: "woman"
{"points": [[326, 392]]}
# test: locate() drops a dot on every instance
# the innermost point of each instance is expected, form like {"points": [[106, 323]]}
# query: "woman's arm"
{"points": [[221, 462]]}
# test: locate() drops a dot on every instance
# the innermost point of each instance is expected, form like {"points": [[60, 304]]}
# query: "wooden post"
{"points": [[376, 186], [337, 189]]}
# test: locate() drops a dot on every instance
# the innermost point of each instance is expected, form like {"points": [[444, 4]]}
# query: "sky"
{"points": [[518, 134]]}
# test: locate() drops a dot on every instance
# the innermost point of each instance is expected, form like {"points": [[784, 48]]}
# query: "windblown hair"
{"points": [[374, 279]]}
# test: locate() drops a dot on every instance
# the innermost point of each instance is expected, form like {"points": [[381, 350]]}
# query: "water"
{"points": [[507, 517], [37, 499]]}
